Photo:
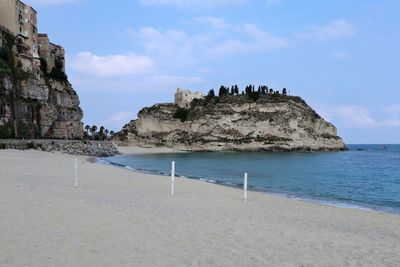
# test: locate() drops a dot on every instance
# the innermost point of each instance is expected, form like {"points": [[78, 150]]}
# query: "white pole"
{"points": [[173, 178], [245, 187], [76, 173]]}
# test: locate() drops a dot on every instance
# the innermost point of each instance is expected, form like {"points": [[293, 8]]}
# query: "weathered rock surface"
{"points": [[274, 123], [35, 103], [72, 147]]}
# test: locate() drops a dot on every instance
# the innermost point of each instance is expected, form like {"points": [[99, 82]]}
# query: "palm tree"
{"points": [[101, 132], [93, 130], [106, 132], [87, 128]]}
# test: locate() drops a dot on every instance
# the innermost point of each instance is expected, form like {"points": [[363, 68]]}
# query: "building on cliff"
{"points": [[183, 98], [36, 99], [272, 122], [50, 52], [21, 20]]}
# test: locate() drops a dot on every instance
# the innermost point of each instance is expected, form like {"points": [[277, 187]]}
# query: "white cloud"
{"points": [[393, 110], [182, 48], [195, 3], [213, 22], [336, 29], [391, 122], [154, 83], [111, 65], [355, 116], [119, 117]]}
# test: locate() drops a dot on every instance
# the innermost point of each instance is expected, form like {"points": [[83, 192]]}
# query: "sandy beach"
{"points": [[121, 218]]}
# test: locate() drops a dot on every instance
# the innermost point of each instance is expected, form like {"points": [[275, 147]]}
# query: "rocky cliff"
{"points": [[272, 122], [36, 101]]}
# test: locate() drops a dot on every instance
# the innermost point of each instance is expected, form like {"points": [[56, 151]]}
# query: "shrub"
{"points": [[6, 131], [4, 68], [181, 114], [5, 54], [30, 145], [57, 74], [254, 96], [43, 65]]}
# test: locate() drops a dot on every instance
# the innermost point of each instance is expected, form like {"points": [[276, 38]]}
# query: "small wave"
{"points": [[341, 205], [208, 180], [316, 200]]}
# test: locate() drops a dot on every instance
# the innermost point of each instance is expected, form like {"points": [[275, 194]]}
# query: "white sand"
{"points": [[121, 218]]}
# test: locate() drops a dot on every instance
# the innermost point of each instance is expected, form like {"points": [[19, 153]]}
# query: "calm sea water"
{"points": [[365, 176]]}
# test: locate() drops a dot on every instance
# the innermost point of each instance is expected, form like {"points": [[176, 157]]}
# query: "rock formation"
{"points": [[271, 122], [36, 99]]}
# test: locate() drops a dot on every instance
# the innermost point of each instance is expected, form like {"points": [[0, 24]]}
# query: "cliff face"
{"points": [[273, 122], [35, 102]]}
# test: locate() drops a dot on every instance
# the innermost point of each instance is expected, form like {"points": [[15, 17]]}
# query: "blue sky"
{"points": [[341, 56]]}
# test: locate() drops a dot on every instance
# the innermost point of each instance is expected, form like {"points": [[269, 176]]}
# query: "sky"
{"points": [[340, 56]]}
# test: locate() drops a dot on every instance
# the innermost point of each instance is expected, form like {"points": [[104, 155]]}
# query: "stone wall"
{"points": [[72, 147], [183, 98]]}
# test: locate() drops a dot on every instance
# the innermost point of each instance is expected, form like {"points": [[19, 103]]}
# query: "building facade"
{"points": [[21, 20]]}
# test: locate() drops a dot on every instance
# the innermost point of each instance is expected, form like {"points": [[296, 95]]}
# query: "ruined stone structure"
{"points": [[183, 98]]}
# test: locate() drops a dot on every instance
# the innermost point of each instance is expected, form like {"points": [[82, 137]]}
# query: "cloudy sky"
{"points": [[341, 56]]}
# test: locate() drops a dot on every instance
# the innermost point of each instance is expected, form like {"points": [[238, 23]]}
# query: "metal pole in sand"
{"points": [[173, 178], [76, 173], [245, 187]]}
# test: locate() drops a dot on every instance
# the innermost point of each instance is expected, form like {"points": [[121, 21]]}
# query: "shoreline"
{"points": [[117, 217], [322, 202]]}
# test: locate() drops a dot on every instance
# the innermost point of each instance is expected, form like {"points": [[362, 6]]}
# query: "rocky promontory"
{"points": [[232, 122], [36, 98]]}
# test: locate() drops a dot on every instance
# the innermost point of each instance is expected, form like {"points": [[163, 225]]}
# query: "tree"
{"points": [[106, 132], [211, 93], [101, 132], [112, 133], [249, 89], [284, 91], [223, 91], [87, 128], [236, 89], [93, 130]]}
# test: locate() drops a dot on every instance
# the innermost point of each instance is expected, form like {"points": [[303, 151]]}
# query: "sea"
{"points": [[363, 177]]}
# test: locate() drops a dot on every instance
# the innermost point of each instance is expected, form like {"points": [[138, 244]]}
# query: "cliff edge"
{"points": [[36, 99], [270, 121]]}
